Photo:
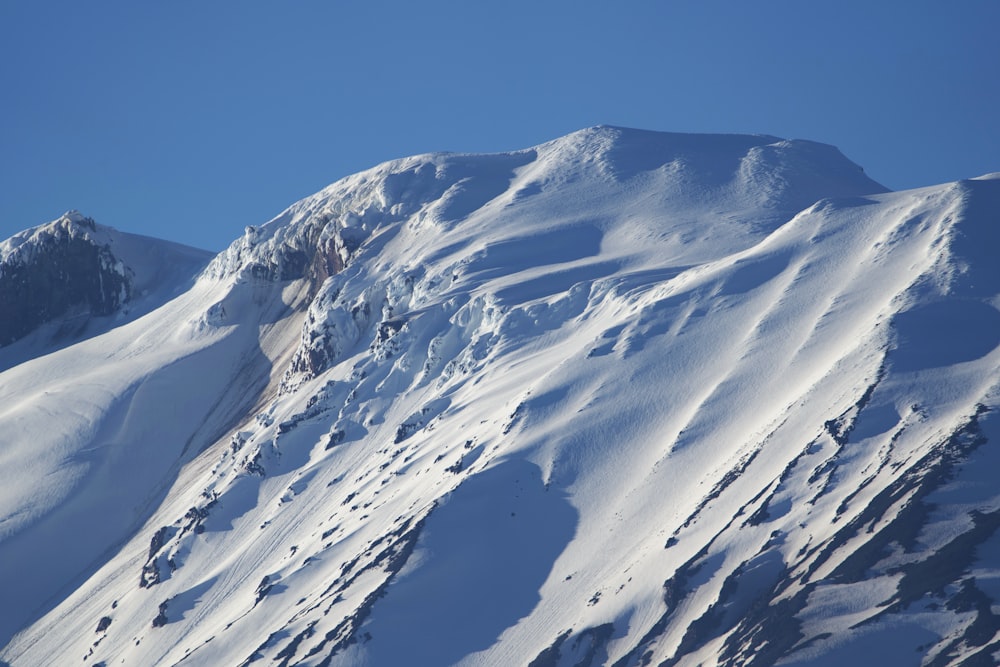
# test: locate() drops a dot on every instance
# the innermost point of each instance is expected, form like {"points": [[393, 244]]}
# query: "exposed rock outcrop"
{"points": [[61, 269]]}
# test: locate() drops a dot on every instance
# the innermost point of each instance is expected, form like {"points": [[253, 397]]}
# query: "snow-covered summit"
{"points": [[623, 398], [71, 270], [752, 180], [22, 247]]}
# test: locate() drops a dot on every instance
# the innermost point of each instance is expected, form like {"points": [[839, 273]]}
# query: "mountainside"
{"points": [[624, 398]]}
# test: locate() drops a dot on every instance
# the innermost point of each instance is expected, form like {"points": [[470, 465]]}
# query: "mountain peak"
{"points": [[68, 271], [75, 217], [656, 398], [753, 177]]}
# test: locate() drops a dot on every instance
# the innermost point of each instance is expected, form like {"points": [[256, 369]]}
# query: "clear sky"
{"points": [[188, 120]]}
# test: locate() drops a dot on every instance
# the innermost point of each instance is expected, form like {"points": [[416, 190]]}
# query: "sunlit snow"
{"points": [[622, 398]]}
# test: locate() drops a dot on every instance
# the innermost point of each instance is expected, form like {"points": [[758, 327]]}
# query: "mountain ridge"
{"points": [[620, 398]]}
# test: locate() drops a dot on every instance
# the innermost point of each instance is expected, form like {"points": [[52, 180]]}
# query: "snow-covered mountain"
{"points": [[73, 278], [624, 398]]}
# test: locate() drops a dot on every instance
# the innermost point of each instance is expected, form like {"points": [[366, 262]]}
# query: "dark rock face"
{"points": [[66, 273]]}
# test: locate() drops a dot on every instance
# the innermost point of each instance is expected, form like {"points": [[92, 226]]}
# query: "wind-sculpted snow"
{"points": [[624, 398]]}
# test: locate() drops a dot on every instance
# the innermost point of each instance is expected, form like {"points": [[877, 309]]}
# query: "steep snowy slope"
{"points": [[82, 462], [624, 398]]}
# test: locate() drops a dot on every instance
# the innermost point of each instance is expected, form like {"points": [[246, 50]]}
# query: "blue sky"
{"points": [[189, 120]]}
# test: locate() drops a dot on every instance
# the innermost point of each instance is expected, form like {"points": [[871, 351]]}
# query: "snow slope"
{"points": [[623, 398]]}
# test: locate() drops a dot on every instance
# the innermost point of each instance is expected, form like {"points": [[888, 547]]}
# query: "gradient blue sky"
{"points": [[189, 120]]}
